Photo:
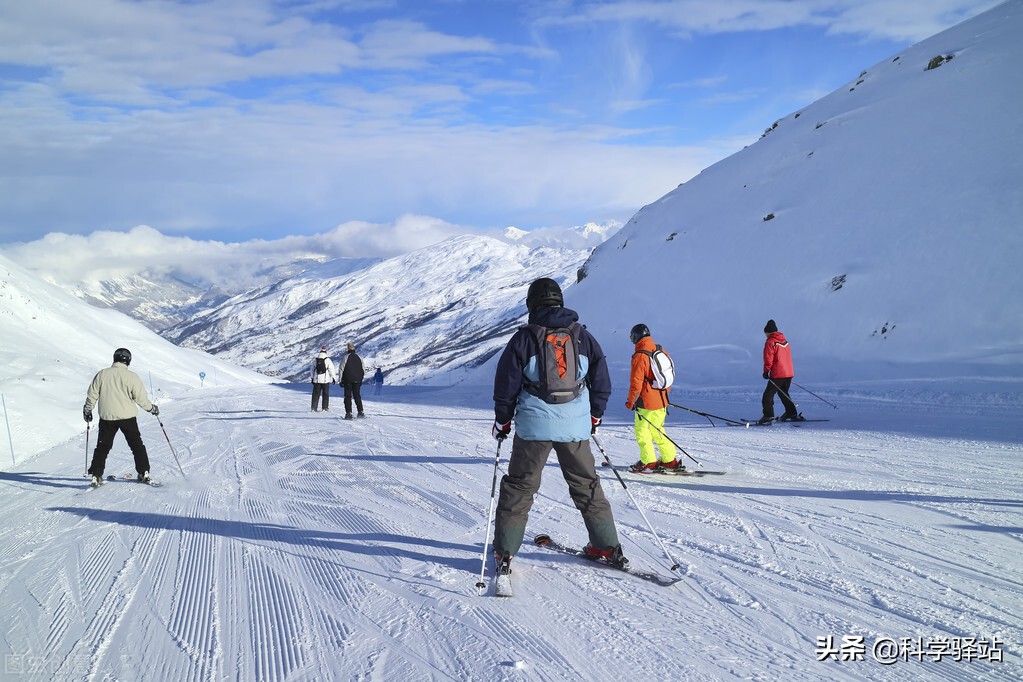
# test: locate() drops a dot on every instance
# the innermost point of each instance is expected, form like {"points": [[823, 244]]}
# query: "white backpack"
{"points": [[662, 367]]}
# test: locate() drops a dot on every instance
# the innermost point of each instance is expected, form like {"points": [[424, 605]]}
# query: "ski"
{"points": [[503, 585], [544, 540], [777, 420], [133, 478], [502, 579], [671, 473]]}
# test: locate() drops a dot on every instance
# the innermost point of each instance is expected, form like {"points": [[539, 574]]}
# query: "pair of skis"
{"points": [[502, 580], [131, 477], [778, 420]]}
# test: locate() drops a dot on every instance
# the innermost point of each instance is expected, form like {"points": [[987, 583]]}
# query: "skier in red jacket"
{"points": [[778, 372]]}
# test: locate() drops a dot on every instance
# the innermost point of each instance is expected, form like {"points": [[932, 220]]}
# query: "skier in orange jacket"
{"points": [[650, 405]]}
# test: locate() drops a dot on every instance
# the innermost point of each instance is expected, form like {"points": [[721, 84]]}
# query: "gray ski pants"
{"points": [[518, 487]]}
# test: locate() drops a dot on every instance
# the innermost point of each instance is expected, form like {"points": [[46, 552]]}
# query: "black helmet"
{"points": [[638, 332], [544, 293], [122, 355]]}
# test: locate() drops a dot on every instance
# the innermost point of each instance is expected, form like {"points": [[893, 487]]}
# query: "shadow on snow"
{"points": [[368, 544]]}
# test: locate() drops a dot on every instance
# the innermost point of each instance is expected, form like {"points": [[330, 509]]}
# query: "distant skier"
{"points": [[322, 377], [778, 373], [553, 379], [648, 397], [352, 373], [116, 391], [378, 381]]}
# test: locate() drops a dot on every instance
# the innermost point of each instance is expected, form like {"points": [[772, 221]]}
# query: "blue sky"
{"points": [[256, 119]]}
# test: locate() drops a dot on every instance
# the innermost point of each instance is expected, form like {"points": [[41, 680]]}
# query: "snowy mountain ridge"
{"points": [[420, 316]]}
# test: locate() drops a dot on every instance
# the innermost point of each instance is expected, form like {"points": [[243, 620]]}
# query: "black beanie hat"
{"points": [[771, 327]]}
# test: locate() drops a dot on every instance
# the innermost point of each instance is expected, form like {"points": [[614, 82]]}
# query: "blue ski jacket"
{"points": [[519, 364]]}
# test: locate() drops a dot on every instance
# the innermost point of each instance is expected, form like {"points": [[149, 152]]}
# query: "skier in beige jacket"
{"points": [[116, 391]]}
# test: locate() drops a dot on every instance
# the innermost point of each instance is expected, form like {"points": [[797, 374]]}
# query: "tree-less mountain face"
{"points": [[879, 227], [429, 315]]}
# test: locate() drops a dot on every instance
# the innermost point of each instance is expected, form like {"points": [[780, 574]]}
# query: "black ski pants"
{"points": [[108, 428], [353, 391], [773, 386], [318, 390]]}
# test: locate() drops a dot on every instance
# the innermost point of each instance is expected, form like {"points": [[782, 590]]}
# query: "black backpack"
{"points": [[558, 358], [321, 365]]}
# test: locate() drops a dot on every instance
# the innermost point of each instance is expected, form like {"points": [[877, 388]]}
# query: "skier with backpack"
{"points": [[323, 376], [650, 379], [552, 379]]}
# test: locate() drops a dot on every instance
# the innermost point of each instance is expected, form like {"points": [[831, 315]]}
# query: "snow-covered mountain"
{"points": [[428, 315], [879, 226], [163, 298], [53, 344]]}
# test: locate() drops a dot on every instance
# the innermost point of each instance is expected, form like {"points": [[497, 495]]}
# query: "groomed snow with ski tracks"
{"points": [[300, 546]]}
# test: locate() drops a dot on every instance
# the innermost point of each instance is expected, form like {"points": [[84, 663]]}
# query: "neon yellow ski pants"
{"points": [[650, 431]]}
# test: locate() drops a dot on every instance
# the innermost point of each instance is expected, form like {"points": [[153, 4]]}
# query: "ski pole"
{"points": [[669, 438], [787, 397], [816, 396], [10, 438], [674, 564], [87, 425], [481, 585], [709, 416], [169, 445]]}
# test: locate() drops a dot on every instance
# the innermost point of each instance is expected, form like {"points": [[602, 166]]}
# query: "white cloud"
{"points": [[68, 259], [265, 117], [306, 164], [407, 233]]}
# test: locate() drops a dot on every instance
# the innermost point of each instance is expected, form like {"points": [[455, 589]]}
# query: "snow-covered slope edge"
{"points": [[879, 226], [53, 344]]}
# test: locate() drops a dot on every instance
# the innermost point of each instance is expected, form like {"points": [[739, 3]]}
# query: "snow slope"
{"points": [[879, 227], [302, 547], [53, 344]]}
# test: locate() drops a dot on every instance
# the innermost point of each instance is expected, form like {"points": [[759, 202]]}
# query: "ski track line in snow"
{"points": [[762, 557]]}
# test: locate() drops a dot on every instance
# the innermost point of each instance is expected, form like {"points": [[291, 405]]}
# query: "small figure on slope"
{"points": [[778, 373], [322, 377], [352, 374], [649, 383], [115, 392]]}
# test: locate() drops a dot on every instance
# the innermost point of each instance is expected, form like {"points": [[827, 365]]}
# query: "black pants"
{"points": [[353, 391], [323, 389], [773, 386], [107, 430]]}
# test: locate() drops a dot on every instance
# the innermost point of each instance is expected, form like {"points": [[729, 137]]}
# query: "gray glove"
{"points": [[87, 415], [155, 411]]}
